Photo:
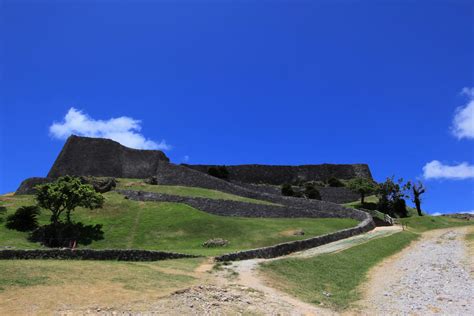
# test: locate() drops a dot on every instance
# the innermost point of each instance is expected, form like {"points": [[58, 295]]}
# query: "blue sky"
{"points": [[287, 82]]}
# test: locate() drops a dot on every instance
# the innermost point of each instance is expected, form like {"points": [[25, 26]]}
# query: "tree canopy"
{"points": [[64, 195], [363, 186]]}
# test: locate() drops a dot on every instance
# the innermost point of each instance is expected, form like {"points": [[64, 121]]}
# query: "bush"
{"points": [[400, 208], [311, 192], [334, 182], [3, 211], [287, 190], [220, 172], [63, 234], [24, 219]]}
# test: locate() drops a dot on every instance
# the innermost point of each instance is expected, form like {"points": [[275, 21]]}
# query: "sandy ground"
{"points": [[433, 276]]}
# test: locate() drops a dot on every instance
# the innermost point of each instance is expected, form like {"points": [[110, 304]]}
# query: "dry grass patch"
{"points": [[43, 287]]}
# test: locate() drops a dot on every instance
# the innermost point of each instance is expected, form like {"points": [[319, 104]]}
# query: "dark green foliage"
{"points": [[24, 219], [400, 208], [65, 194], [3, 211], [287, 190], [363, 186], [65, 234], [220, 172], [311, 192], [391, 196], [334, 182]]}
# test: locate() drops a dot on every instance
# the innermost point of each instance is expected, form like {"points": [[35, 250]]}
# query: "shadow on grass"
{"points": [[66, 234]]}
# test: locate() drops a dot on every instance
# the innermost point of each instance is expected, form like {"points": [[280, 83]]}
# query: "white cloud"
{"points": [[186, 158], [463, 122], [436, 214], [438, 170], [124, 130]]}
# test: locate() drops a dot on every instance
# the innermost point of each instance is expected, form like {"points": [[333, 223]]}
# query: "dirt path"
{"points": [[237, 289], [431, 277]]}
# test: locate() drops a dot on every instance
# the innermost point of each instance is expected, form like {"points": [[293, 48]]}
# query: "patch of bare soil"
{"points": [[430, 277]]}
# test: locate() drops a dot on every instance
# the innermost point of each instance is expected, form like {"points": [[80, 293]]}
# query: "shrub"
{"points": [[3, 211], [311, 192], [24, 219], [400, 208], [334, 182], [287, 190], [220, 172]]}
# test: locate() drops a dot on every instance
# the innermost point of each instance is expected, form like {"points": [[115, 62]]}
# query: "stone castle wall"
{"points": [[84, 156], [277, 175]]}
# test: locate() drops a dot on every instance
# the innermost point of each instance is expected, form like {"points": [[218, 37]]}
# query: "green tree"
{"points": [[64, 195], [417, 189], [391, 195], [363, 186], [310, 192]]}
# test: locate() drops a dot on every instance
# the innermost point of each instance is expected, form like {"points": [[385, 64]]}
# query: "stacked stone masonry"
{"points": [[89, 254]]}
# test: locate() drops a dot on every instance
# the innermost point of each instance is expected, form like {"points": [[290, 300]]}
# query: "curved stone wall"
{"points": [[242, 209], [85, 156], [298, 245]]}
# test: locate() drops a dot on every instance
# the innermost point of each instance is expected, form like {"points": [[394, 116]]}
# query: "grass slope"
{"points": [[174, 227], [421, 224], [139, 185], [333, 279]]}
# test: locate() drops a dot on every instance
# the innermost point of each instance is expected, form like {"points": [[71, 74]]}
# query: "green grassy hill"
{"points": [[174, 226]]}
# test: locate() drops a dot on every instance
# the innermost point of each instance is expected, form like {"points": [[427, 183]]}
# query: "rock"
{"points": [[28, 185], [298, 232], [215, 242], [153, 180], [101, 185]]}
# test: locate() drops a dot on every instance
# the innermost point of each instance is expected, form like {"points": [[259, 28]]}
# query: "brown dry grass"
{"points": [[51, 286]]}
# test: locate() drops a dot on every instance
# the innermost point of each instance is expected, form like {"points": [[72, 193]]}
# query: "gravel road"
{"points": [[432, 277]]}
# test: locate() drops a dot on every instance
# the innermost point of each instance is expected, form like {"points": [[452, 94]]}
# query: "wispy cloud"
{"points": [[437, 170], [124, 130], [463, 121]]}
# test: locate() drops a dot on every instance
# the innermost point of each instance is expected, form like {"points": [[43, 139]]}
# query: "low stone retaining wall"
{"points": [[298, 245], [89, 254], [234, 208], [170, 174]]}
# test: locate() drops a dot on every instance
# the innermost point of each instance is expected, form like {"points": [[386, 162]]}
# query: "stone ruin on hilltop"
{"points": [[98, 157]]}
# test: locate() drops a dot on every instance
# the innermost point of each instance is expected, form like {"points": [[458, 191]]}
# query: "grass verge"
{"points": [[333, 279], [421, 224]]}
